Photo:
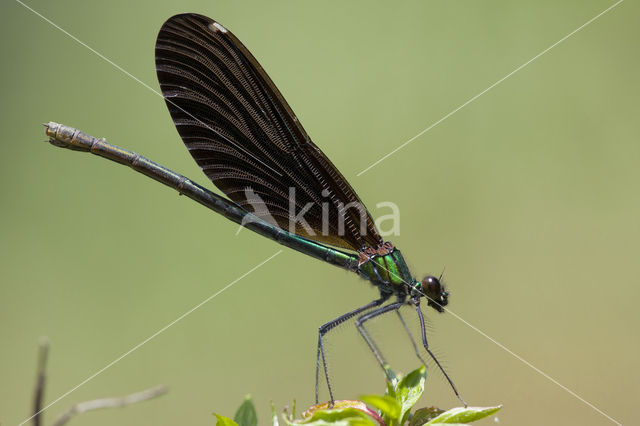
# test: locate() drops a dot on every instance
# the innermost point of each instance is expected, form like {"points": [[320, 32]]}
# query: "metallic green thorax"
{"points": [[389, 271]]}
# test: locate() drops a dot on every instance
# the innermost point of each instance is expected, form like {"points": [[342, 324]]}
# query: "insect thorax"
{"points": [[385, 267]]}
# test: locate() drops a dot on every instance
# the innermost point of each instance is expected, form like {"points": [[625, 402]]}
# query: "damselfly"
{"points": [[249, 143]]}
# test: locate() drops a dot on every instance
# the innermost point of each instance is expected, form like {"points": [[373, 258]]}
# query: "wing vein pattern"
{"points": [[247, 140]]}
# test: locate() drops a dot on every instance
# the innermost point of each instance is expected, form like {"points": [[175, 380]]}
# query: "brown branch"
{"points": [[110, 403], [38, 393]]}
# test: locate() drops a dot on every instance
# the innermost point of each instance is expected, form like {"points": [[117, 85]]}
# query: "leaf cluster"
{"points": [[391, 409]]}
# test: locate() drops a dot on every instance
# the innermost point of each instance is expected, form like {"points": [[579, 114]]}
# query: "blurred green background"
{"points": [[529, 196]]}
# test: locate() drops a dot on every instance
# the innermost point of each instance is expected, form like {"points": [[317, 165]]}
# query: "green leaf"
{"points": [[287, 420], [342, 412], [409, 390], [347, 416], [274, 415], [246, 414], [289, 416], [392, 377], [392, 381], [349, 421], [387, 405], [464, 415], [391, 390], [424, 415], [224, 421], [446, 424]]}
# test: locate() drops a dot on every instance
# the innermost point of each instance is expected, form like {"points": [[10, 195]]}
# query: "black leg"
{"points": [[325, 328], [426, 346], [372, 345], [413, 342], [367, 337]]}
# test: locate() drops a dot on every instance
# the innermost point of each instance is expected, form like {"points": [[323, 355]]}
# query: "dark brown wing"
{"points": [[247, 140]]}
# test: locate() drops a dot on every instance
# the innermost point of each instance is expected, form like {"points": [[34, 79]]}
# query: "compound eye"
{"points": [[432, 285], [434, 291]]}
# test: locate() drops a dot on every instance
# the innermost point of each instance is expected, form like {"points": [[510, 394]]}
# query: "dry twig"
{"points": [[81, 407], [122, 401], [38, 394]]}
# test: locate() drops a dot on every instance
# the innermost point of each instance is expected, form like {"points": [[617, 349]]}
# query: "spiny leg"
{"points": [[325, 328], [367, 337], [413, 342], [426, 346], [373, 345]]}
